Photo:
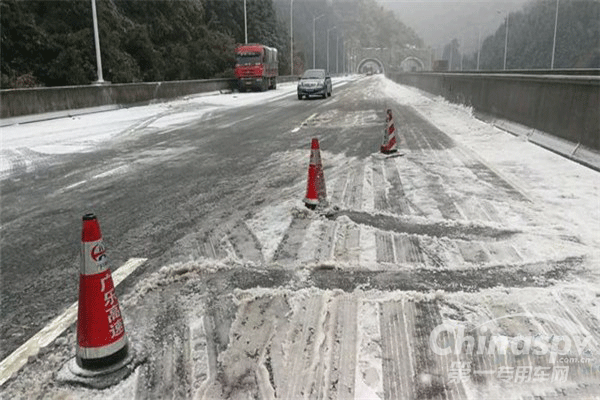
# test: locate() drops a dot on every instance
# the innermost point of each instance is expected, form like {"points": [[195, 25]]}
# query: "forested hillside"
{"points": [[531, 36], [51, 43]]}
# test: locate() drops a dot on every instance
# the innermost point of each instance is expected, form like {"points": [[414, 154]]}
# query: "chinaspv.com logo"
{"points": [[541, 347]]}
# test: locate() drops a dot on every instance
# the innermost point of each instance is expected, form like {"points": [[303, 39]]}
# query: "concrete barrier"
{"points": [[18, 102], [567, 107]]}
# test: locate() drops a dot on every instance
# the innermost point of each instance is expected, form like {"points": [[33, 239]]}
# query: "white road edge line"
{"points": [[50, 332]]}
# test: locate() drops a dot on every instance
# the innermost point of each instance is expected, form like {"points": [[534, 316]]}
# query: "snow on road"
{"points": [[473, 229], [27, 145]]}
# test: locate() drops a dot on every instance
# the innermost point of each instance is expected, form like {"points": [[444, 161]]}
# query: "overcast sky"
{"points": [[437, 22]]}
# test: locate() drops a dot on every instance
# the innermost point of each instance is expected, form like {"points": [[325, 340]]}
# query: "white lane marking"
{"points": [[113, 171], [339, 85], [304, 123], [74, 185], [232, 123], [307, 120], [50, 332]]}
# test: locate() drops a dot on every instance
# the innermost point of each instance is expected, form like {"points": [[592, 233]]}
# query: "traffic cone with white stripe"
{"points": [[101, 338], [389, 135], [316, 193]]}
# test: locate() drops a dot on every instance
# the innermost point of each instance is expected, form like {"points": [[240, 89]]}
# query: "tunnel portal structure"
{"points": [[386, 60]]}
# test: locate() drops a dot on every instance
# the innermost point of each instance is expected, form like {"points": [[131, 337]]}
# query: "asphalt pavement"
{"points": [[245, 293]]}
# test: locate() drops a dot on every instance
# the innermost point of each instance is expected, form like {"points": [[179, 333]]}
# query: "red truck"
{"points": [[256, 67]]}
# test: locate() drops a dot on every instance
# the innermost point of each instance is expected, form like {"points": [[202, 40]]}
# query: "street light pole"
{"points": [[97, 43], [344, 56], [451, 54], [291, 37], [554, 42], [506, 39], [478, 45], [462, 53], [314, 26], [245, 24], [328, 30], [337, 53]]}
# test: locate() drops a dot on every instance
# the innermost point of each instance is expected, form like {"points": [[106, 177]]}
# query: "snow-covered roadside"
{"points": [[567, 191]]}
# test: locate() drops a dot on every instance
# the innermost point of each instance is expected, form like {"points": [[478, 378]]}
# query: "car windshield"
{"points": [[314, 74]]}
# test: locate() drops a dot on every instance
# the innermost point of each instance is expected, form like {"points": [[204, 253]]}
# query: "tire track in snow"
{"points": [[346, 337], [380, 187], [347, 243], [385, 247], [396, 197], [398, 368], [291, 243], [170, 378], [432, 370], [14, 162], [305, 324], [339, 187], [353, 198], [408, 250]]}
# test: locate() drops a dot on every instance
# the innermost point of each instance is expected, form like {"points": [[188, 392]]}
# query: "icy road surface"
{"points": [[472, 236]]}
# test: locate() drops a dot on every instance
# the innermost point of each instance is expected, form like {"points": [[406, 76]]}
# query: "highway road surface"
{"points": [[464, 267]]}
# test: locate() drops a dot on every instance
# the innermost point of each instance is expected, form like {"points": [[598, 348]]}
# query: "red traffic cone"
{"points": [[315, 191], [101, 339], [389, 135]]}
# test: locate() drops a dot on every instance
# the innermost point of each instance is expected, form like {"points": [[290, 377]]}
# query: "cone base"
{"points": [[101, 378], [385, 151], [104, 362]]}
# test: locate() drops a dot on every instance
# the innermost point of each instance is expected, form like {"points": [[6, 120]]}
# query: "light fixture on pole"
{"points": [[328, 30], [97, 43], [314, 25], [554, 41]]}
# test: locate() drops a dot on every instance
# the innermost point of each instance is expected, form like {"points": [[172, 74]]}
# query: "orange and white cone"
{"points": [[316, 193], [101, 338], [389, 135]]}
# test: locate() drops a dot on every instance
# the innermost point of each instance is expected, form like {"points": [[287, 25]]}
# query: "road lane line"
{"points": [[74, 185], [304, 123], [114, 171], [307, 120], [50, 332]]}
